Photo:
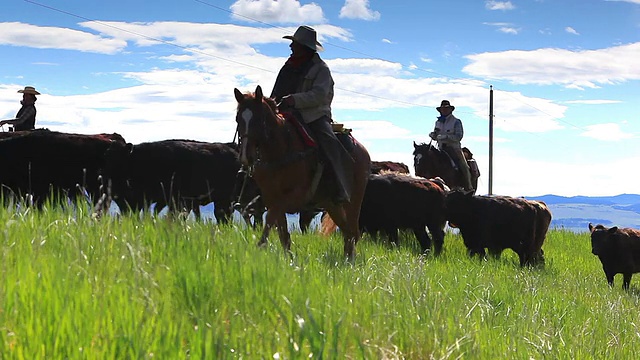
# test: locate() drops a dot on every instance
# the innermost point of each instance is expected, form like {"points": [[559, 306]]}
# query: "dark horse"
{"points": [[430, 162], [286, 171]]}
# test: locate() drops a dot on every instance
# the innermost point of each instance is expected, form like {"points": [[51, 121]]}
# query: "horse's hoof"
{"points": [[261, 244]]}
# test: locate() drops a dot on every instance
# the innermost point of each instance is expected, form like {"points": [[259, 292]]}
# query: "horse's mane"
{"points": [[423, 148], [272, 103], [269, 101]]}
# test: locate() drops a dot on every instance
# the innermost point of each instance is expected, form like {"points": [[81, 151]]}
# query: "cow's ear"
{"points": [[591, 227], [613, 230], [129, 148]]}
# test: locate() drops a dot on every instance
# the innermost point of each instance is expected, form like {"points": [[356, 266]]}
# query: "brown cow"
{"points": [[500, 222], [618, 250], [378, 167]]}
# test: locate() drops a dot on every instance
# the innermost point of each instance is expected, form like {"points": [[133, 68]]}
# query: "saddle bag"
{"points": [[473, 167]]}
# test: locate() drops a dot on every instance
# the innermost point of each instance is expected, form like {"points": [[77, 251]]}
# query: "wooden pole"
{"points": [[490, 139]]}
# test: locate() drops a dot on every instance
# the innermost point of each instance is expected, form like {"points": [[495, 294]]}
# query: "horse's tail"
{"points": [[327, 225]]}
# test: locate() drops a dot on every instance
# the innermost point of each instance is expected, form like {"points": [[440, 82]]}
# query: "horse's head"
{"points": [[252, 116], [422, 153]]}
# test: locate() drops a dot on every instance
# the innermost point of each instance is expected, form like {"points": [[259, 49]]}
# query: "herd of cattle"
{"points": [[185, 174]]}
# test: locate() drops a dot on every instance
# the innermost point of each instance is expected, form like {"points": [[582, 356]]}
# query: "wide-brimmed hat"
{"points": [[306, 36], [445, 104], [29, 90]]}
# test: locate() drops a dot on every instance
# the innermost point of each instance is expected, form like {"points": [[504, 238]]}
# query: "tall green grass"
{"points": [[75, 287]]}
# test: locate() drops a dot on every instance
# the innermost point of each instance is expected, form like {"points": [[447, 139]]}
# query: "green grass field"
{"points": [[73, 287]]}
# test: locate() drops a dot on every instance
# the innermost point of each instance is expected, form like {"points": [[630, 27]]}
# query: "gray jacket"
{"points": [[448, 132], [313, 99]]}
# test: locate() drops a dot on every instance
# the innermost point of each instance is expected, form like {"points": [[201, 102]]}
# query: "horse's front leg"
{"points": [[283, 232], [270, 221], [278, 219]]}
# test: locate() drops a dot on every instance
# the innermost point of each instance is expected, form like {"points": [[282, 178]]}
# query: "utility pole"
{"points": [[490, 139]]}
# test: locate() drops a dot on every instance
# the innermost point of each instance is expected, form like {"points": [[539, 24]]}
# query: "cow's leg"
{"points": [[423, 238], [437, 235], [477, 251], [495, 254], [196, 211], [610, 276], [305, 219], [626, 280], [221, 213], [392, 234]]}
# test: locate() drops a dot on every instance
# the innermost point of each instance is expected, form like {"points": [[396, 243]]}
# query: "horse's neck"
{"points": [[279, 142], [438, 163]]}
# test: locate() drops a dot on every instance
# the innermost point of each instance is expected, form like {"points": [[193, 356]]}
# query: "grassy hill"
{"points": [[76, 287]]}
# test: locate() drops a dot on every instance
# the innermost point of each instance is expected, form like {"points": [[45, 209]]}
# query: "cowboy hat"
{"points": [[29, 90], [445, 104], [306, 36]]}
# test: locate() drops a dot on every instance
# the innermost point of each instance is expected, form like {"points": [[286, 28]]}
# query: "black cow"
{"points": [[498, 223], [43, 163], [618, 250], [394, 201], [182, 174]]}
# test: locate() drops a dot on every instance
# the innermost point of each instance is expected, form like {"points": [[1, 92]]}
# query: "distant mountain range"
{"points": [[571, 213], [576, 212]]}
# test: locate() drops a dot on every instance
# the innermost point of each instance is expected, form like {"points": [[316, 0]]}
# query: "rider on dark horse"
{"points": [[304, 84], [448, 132]]}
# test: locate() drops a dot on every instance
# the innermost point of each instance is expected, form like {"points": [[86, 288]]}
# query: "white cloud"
{"points": [[282, 11], [593, 102], [606, 132], [387, 41], [45, 37], [358, 9], [503, 27], [629, 1], [499, 5], [571, 30], [509, 30], [578, 69]]}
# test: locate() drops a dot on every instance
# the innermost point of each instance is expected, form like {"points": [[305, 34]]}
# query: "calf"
{"points": [[500, 222], [395, 201], [618, 250]]}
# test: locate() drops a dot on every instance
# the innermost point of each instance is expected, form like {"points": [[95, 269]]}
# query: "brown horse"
{"points": [[430, 162], [286, 171]]}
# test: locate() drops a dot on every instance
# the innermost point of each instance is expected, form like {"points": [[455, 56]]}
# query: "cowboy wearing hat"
{"points": [[448, 132], [26, 117], [304, 84]]}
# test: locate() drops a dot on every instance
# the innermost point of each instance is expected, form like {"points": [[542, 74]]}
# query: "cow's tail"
{"points": [[327, 225]]}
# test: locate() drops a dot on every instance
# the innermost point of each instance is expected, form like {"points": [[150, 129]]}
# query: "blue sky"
{"points": [[564, 73]]}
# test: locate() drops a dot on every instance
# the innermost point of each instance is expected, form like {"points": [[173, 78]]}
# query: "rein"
{"points": [[286, 159]]}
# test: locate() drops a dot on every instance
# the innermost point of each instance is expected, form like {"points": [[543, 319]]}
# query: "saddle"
{"points": [[343, 134], [471, 162]]}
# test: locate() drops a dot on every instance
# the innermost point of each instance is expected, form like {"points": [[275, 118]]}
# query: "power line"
{"points": [[193, 50], [145, 36]]}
